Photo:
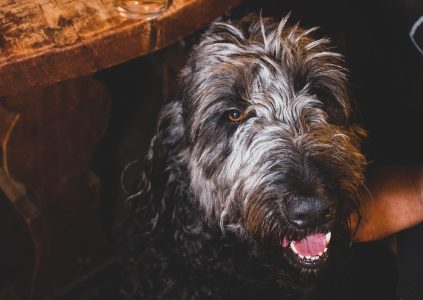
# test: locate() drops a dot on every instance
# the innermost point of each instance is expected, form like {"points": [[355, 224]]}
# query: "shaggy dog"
{"points": [[253, 172]]}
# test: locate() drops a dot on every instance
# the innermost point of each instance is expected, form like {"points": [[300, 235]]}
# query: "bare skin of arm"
{"points": [[393, 202]]}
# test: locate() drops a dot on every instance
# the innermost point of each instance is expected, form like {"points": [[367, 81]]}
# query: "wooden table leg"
{"points": [[47, 138]]}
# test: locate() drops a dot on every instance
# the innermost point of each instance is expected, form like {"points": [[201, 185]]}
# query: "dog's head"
{"points": [[272, 150]]}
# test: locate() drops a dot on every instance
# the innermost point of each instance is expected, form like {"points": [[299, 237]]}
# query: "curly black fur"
{"points": [[211, 211]]}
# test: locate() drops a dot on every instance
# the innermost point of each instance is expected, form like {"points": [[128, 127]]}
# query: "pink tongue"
{"points": [[311, 245]]}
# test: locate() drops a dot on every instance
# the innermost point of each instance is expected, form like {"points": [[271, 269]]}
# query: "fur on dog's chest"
{"points": [[212, 266]]}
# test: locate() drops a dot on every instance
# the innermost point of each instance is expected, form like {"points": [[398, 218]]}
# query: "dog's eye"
{"points": [[235, 115]]}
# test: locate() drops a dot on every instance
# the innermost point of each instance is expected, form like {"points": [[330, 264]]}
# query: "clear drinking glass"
{"points": [[140, 9]]}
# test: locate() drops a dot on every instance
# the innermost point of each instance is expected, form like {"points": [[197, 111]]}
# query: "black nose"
{"points": [[304, 212]]}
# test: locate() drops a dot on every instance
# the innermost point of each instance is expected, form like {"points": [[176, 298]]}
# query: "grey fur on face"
{"points": [[297, 126]]}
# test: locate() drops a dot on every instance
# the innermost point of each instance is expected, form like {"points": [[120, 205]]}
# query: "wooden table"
{"points": [[53, 114]]}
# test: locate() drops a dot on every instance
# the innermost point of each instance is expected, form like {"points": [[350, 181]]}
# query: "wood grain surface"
{"points": [[47, 41]]}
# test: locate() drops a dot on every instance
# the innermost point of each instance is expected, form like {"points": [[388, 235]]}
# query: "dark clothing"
{"points": [[410, 263]]}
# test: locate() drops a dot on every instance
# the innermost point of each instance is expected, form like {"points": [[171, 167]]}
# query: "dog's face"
{"points": [[273, 152]]}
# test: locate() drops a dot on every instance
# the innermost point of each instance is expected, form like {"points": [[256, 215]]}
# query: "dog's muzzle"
{"points": [[311, 215]]}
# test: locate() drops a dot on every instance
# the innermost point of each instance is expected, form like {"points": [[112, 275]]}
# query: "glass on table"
{"points": [[140, 9]]}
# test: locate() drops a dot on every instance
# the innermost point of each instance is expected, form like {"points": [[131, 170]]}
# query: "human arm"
{"points": [[393, 202]]}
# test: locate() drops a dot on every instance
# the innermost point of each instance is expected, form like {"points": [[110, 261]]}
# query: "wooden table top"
{"points": [[48, 41]]}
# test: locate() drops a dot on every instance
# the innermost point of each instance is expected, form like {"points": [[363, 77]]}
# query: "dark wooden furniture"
{"points": [[53, 114]]}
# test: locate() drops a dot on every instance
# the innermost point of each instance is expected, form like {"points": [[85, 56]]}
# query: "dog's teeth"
{"points": [[328, 236], [309, 257], [293, 248]]}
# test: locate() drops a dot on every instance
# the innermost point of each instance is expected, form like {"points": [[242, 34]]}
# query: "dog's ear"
{"points": [[166, 146], [162, 165], [168, 141]]}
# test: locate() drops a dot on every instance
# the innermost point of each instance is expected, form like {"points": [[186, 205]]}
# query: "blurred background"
{"points": [[386, 82]]}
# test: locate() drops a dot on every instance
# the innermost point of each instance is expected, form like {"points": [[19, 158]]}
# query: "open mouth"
{"points": [[310, 252]]}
